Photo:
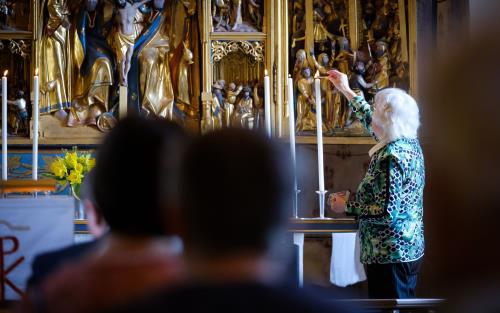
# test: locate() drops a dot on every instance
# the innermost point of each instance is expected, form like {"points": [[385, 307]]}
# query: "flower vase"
{"points": [[79, 210]]}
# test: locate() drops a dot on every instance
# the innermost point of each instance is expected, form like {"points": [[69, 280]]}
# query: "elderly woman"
{"points": [[389, 200]]}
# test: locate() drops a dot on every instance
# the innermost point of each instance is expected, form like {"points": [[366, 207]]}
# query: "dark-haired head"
{"points": [[236, 188], [136, 175]]}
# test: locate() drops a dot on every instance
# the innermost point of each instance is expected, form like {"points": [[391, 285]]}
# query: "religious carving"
{"points": [[55, 70], [94, 63], [159, 44], [357, 80], [330, 21], [18, 117], [217, 103], [155, 82], [183, 76], [124, 38], [220, 49], [6, 10], [232, 93], [135, 43], [243, 115], [221, 14], [298, 26], [306, 115], [388, 58], [19, 47], [343, 61], [301, 62], [237, 15], [331, 107]]}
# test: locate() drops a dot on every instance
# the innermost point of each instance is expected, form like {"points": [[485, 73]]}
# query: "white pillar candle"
{"points": [[319, 132], [123, 101], [267, 103], [291, 124], [4, 125], [35, 114]]}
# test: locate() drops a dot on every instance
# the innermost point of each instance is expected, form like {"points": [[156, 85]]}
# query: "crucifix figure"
{"points": [[125, 37]]}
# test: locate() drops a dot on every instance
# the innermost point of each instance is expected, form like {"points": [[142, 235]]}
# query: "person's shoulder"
{"points": [[402, 149], [45, 263], [68, 251]]}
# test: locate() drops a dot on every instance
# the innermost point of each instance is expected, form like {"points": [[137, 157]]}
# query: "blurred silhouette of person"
{"points": [[462, 190], [135, 189], [236, 192], [46, 263]]}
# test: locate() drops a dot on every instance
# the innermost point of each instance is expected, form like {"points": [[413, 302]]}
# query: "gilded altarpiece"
{"points": [[372, 41], [88, 49], [196, 61]]}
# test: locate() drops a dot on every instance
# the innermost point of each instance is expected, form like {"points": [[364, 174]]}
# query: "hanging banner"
{"points": [[28, 227]]}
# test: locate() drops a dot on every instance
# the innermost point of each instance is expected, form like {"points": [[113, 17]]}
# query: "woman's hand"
{"points": [[341, 82]]}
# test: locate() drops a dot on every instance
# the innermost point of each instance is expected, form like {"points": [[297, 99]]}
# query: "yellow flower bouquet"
{"points": [[71, 168]]}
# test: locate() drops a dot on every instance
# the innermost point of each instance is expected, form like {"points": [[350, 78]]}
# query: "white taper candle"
{"points": [[319, 132], [267, 103], [4, 126], [291, 124], [35, 116]]}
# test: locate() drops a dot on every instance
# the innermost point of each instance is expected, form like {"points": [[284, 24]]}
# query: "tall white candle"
{"points": [[36, 113], [4, 126], [319, 132], [291, 122], [123, 102], [267, 103]]}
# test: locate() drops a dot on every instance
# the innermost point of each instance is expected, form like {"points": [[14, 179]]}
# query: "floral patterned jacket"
{"points": [[389, 200]]}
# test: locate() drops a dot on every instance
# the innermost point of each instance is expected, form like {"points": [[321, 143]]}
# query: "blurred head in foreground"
{"points": [[136, 176], [462, 200], [236, 192]]}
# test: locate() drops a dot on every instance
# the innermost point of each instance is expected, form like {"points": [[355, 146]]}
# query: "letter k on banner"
{"points": [[28, 227]]}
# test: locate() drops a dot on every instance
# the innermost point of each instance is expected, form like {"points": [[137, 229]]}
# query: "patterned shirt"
{"points": [[389, 200]]}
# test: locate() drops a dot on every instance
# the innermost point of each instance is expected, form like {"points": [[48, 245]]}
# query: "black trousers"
{"points": [[394, 280]]}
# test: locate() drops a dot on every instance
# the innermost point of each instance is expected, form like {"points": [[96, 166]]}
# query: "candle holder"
{"points": [[296, 204], [322, 194]]}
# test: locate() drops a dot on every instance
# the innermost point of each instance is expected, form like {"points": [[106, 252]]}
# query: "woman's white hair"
{"points": [[397, 114]]}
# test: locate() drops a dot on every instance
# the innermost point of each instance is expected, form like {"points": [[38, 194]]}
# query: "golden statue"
{"points": [[231, 95], [55, 56], [306, 118], [155, 78], [382, 65], [243, 115], [238, 18], [183, 82], [321, 34], [94, 62], [216, 109], [220, 15], [323, 65], [125, 35], [341, 107], [301, 62], [254, 12]]}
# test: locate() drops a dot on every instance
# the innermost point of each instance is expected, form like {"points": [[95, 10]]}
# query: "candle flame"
{"points": [[6, 72], [36, 72], [265, 72], [289, 75], [316, 75]]}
